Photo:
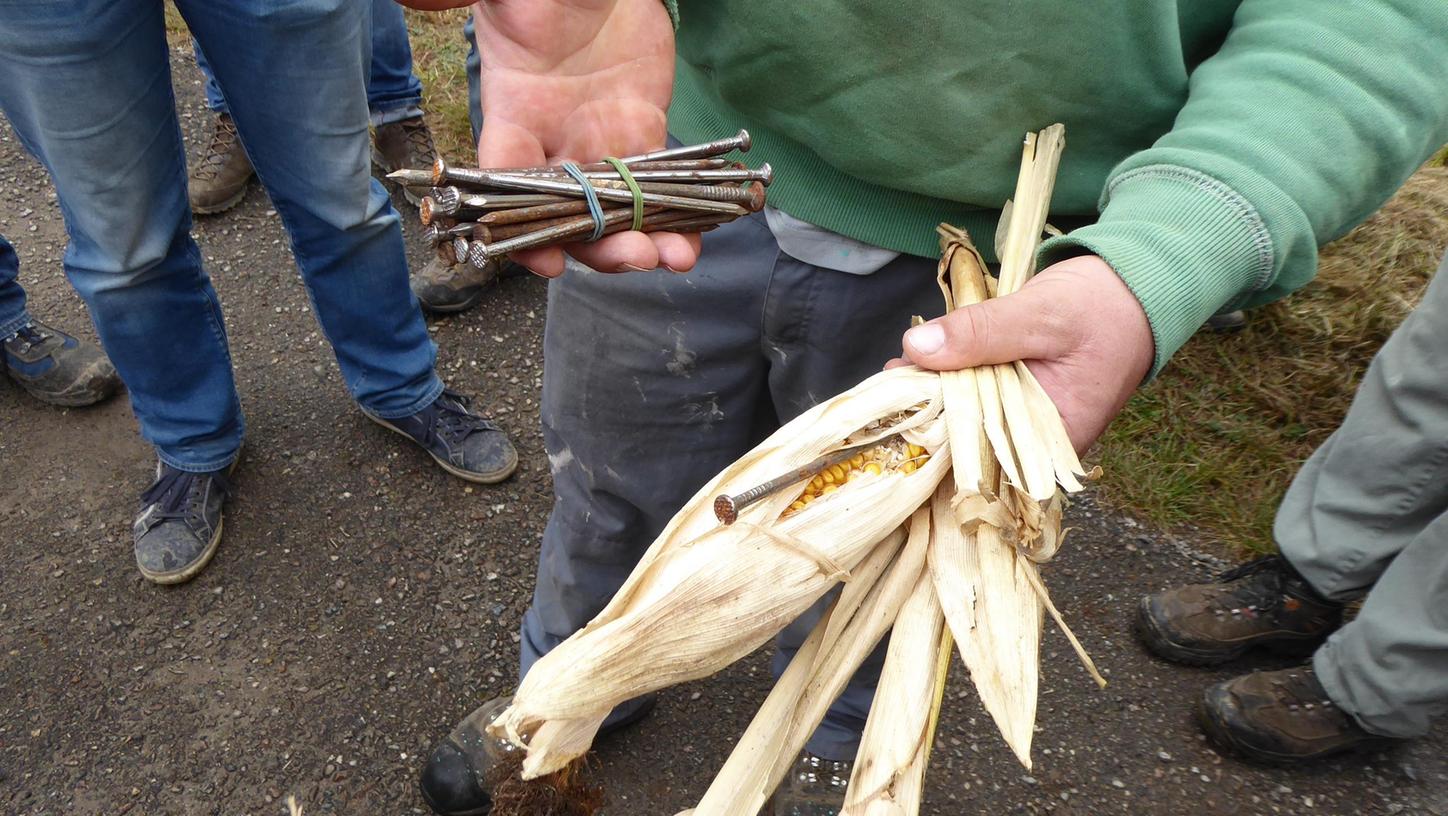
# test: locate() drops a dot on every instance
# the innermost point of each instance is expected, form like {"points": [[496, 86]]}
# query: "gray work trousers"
{"points": [[1368, 515], [654, 382]]}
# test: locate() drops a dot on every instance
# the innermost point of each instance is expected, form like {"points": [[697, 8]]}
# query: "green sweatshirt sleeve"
{"points": [[1310, 115]]}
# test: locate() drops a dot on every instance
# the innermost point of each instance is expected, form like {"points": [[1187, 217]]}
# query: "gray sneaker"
{"points": [[464, 443], [57, 368], [179, 526], [445, 288], [815, 787]]}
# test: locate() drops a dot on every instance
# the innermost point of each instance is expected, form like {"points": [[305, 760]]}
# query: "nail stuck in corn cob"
{"points": [[895, 456]]}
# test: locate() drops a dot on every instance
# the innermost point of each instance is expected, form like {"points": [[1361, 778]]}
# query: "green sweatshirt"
{"points": [[1222, 141]]}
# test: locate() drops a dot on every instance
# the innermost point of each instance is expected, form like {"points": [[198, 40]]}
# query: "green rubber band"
{"points": [[633, 187]]}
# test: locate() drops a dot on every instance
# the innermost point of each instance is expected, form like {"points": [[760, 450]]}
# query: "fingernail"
{"points": [[926, 339], [628, 267], [675, 271]]}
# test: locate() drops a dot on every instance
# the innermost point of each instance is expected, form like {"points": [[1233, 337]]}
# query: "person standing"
{"points": [[87, 87], [401, 138], [49, 364], [1365, 519], [1213, 148]]}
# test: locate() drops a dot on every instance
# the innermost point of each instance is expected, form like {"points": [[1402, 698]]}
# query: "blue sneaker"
{"points": [[179, 526], [57, 368], [462, 442]]}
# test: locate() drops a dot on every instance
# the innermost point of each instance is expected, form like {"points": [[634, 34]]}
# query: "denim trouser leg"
{"points": [[474, 68], [13, 316], [87, 86], [1368, 513], [655, 382], [214, 100], [294, 79], [393, 91]]}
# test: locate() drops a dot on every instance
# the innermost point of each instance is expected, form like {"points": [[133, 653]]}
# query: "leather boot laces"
{"points": [[177, 494], [1253, 598], [223, 142]]}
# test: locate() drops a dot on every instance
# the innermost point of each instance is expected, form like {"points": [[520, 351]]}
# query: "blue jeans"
{"points": [[87, 86], [475, 80], [394, 93], [13, 316]]}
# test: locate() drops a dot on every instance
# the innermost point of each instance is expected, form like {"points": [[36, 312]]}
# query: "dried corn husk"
{"points": [[889, 775], [966, 577], [705, 595], [798, 702]]}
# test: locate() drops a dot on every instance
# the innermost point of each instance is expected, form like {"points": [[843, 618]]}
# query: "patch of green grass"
{"points": [[1215, 441], [439, 54]]}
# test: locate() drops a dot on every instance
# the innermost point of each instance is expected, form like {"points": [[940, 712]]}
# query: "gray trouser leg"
{"points": [[655, 382], [1368, 513]]}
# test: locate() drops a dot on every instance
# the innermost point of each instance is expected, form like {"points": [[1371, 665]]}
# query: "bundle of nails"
{"points": [[934, 498], [478, 216]]}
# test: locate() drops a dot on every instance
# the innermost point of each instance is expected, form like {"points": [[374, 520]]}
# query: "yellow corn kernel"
{"points": [[839, 472], [913, 450], [816, 483], [908, 467], [797, 505], [830, 489], [873, 467], [858, 460], [828, 477], [807, 498]]}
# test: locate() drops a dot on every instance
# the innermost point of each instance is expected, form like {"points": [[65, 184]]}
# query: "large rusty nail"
{"points": [[572, 188], [740, 142]]}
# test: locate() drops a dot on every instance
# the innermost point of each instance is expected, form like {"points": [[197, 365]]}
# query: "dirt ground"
{"points": [[363, 601]]}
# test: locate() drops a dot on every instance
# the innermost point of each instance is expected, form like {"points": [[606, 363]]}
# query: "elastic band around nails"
{"points": [[633, 187], [590, 196]]}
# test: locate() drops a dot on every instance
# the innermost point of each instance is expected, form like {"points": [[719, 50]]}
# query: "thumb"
{"points": [[1021, 326]]}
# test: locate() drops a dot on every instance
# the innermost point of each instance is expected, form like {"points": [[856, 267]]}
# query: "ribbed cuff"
{"points": [[1184, 243]]}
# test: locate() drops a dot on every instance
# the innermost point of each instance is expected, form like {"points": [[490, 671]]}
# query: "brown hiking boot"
{"points": [[1261, 603], [218, 181], [404, 145], [1281, 717], [445, 288]]}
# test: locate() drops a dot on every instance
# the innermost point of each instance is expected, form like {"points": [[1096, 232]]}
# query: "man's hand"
{"points": [[576, 80], [1078, 327]]}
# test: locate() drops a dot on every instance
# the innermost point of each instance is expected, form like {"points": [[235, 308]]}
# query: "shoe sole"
{"points": [[225, 205], [191, 570], [1161, 645], [499, 475]]}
